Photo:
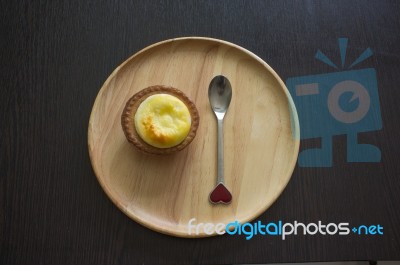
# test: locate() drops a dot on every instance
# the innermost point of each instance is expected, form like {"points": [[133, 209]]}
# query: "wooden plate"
{"points": [[164, 192]]}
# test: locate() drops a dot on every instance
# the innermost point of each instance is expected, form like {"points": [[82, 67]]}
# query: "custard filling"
{"points": [[162, 120]]}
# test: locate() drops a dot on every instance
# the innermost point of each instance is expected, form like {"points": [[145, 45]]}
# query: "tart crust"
{"points": [[128, 119]]}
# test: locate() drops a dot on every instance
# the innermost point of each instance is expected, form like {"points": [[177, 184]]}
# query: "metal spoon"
{"points": [[220, 94]]}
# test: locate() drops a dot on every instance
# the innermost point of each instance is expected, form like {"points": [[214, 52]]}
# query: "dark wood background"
{"points": [[55, 56]]}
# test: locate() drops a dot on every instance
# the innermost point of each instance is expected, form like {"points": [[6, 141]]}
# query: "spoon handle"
{"points": [[220, 151]]}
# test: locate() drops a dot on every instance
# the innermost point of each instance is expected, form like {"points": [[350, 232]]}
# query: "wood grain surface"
{"points": [[56, 55], [165, 192]]}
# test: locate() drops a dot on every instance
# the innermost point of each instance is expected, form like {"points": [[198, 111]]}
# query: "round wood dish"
{"points": [[164, 192]]}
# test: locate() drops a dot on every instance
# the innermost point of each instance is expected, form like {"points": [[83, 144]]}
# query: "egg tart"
{"points": [[160, 120]]}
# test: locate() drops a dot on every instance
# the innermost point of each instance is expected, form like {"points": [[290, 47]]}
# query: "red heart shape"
{"points": [[220, 194]]}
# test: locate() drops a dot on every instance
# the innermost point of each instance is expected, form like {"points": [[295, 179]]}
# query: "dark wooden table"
{"points": [[56, 55]]}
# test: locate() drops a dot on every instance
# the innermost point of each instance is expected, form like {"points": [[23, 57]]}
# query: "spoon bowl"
{"points": [[220, 95]]}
